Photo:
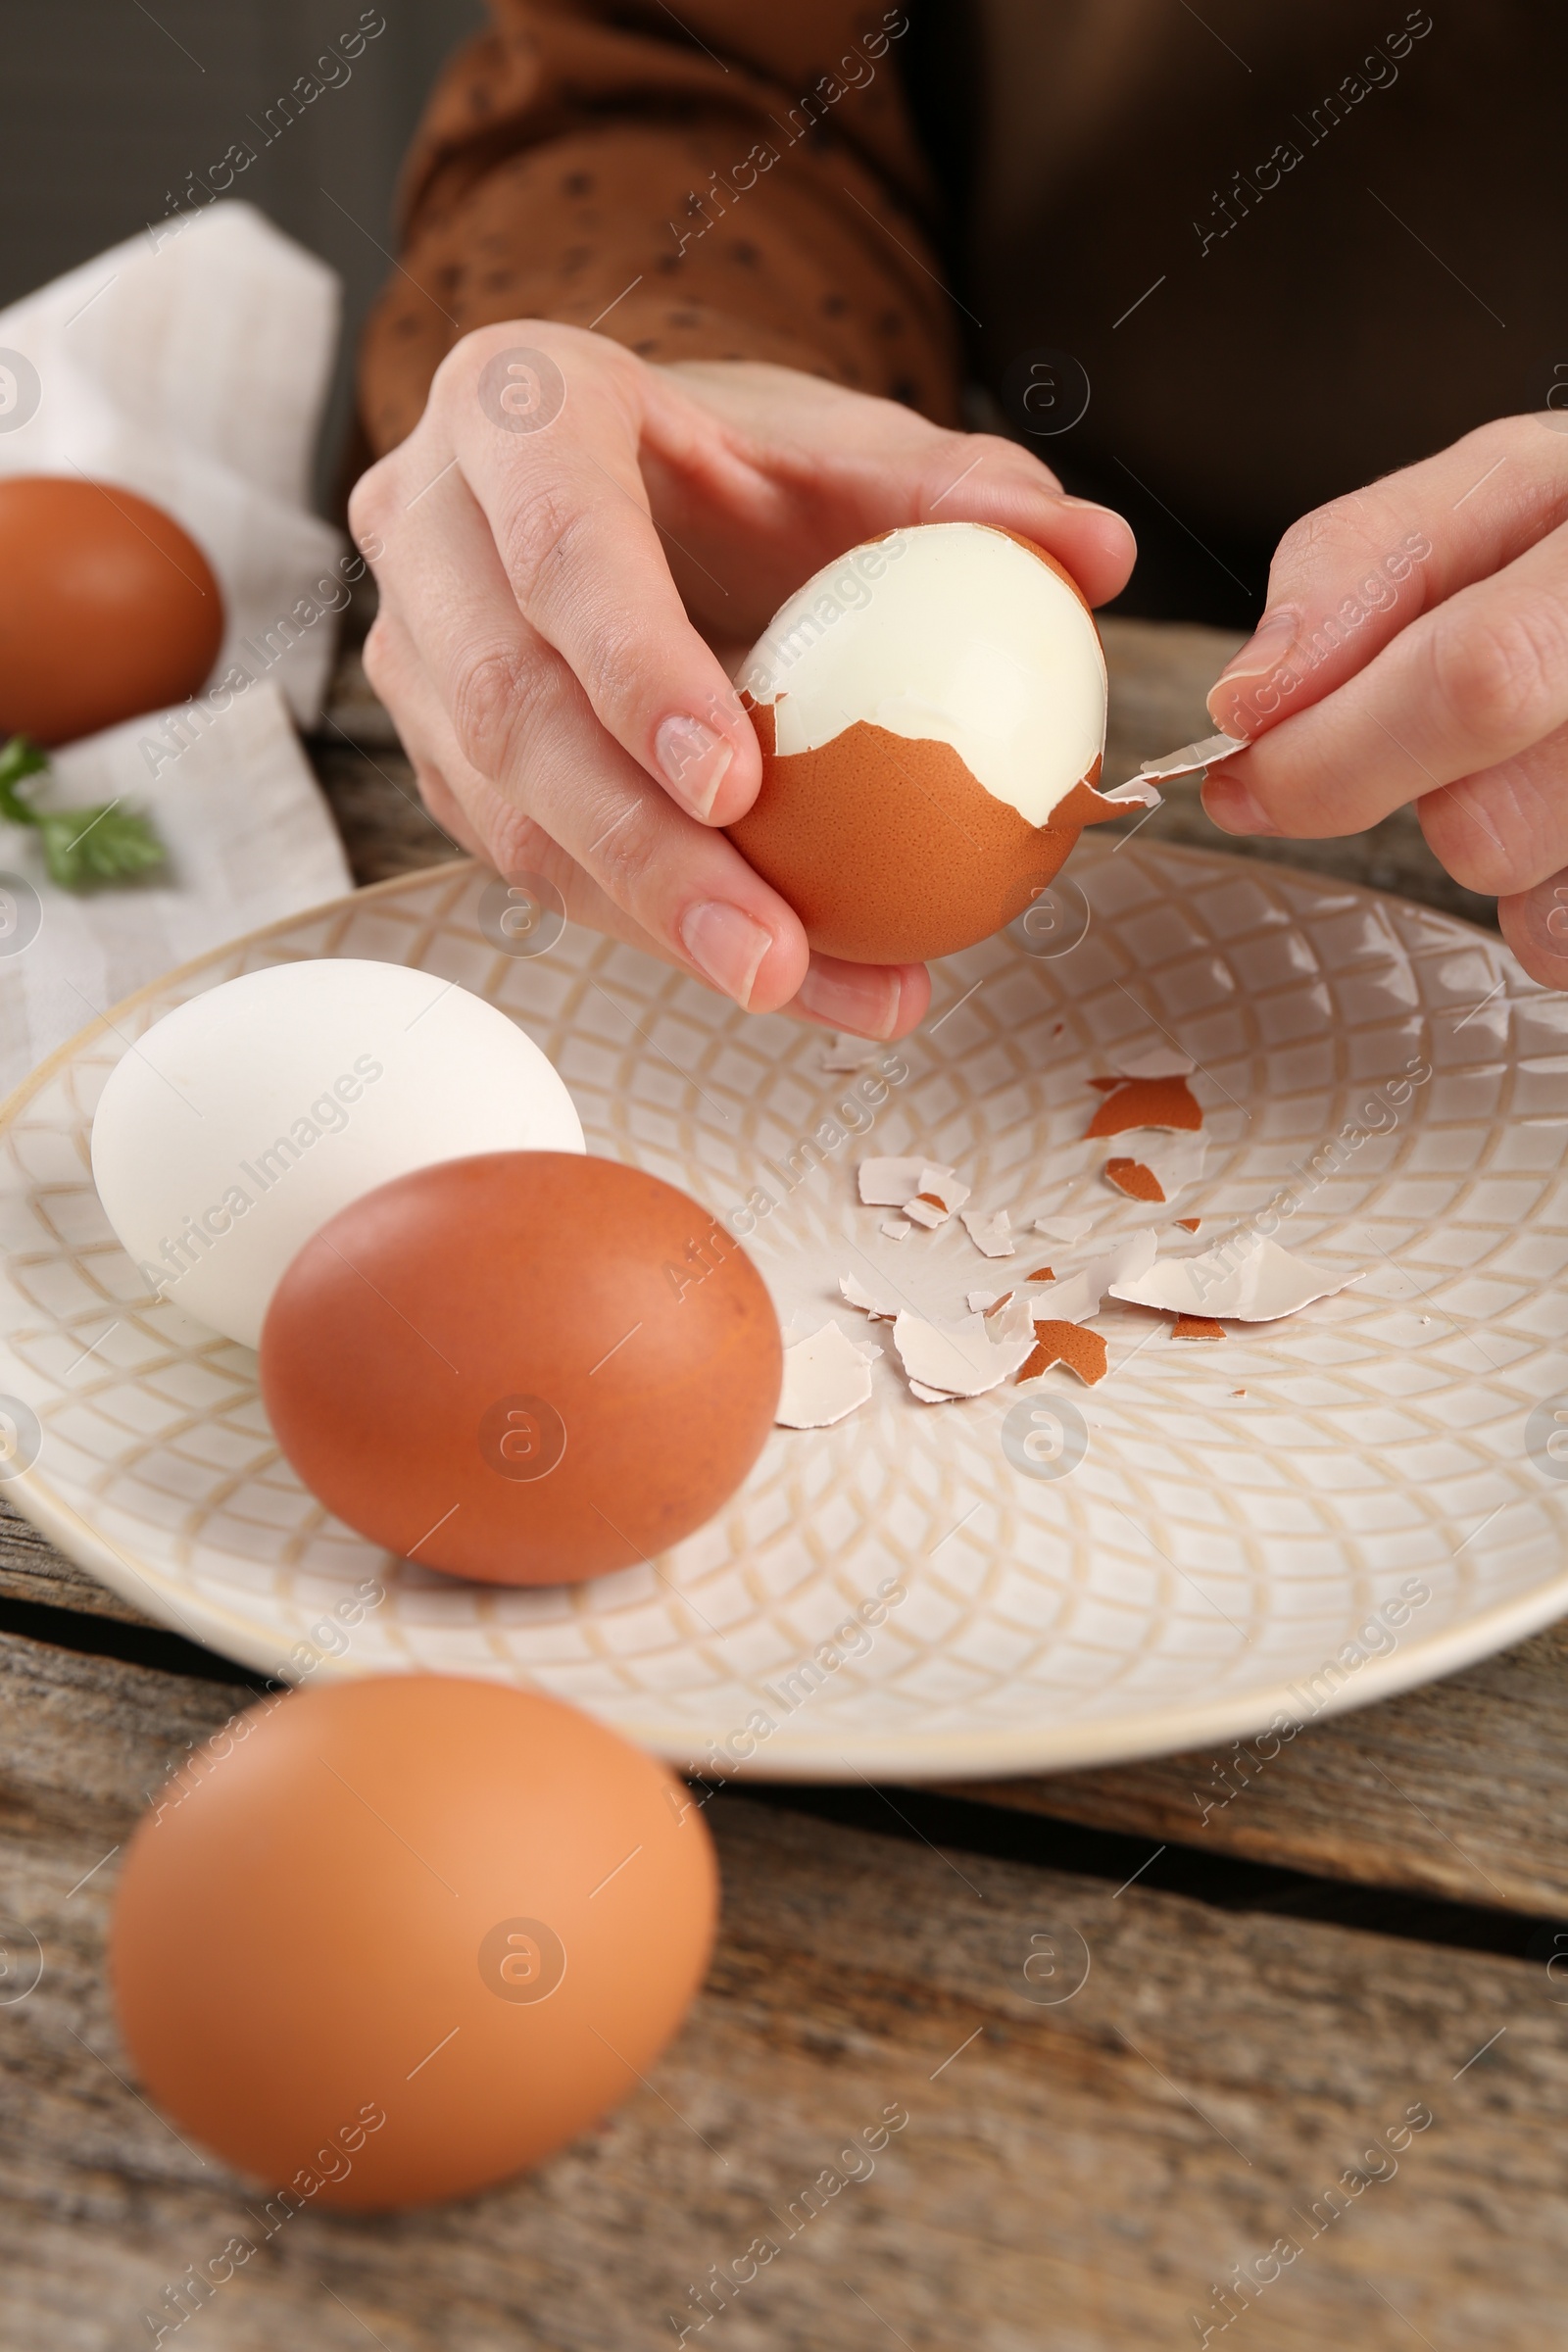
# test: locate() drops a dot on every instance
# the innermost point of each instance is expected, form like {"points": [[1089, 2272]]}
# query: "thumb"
{"points": [[1535, 925], [1333, 604]]}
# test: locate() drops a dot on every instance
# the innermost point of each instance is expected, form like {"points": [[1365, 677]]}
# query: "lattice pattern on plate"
{"points": [[1212, 1550]]}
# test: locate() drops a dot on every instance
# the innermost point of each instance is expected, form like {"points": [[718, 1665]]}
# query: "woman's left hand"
{"points": [[1414, 647]]}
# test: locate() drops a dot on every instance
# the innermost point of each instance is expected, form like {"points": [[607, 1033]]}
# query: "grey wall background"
{"points": [[110, 105]]}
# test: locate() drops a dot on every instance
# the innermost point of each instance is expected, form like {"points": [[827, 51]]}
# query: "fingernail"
{"points": [[1235, 809], [726, 945], [866, 1004], [1092, 506], [1545, 910], [692, 759], [1262, 654]]}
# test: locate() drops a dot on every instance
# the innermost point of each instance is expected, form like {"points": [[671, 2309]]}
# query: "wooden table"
{"points": [[1319, 2016]]}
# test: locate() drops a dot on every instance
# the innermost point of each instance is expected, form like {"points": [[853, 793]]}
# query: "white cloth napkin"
{"points": [[193, 368], [191, 365], [249, 841]]}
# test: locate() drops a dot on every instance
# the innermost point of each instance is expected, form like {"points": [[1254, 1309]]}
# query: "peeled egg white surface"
{"points": [[963, 637], [245, 1119]]}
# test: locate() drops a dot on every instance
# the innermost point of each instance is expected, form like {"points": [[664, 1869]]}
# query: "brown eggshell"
{"points": [[107, 608], [527, 1367], [888, 849], [1143, 1103], [1130, 1176], [465, 1910], [1082, 1350]]}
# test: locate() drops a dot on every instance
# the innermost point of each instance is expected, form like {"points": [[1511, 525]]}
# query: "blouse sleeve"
{"points": [[740, 181]]}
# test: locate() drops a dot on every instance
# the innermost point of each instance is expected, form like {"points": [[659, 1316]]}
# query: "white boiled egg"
{"points": [[242, 1120]]}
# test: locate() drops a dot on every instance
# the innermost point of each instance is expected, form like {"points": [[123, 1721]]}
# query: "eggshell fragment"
{"points": [[889, 1183], [992, 1236], [1164, 1165], [940, 1188], [854, 1293], [1196, 1327], [1255, 1282], [395, 1939], [897, 1229], [1082, 1351], [525, 1367], [1079, 1296], [1143, 1103], [1130, 1176], [827, 1376], [1190, 758], [1064, 1229], [965, 1358]]}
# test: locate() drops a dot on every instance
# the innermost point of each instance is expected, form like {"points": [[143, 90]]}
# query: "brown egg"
{"points": [[390, 1941], [932, 715], [527, 1367], [107, 608]]}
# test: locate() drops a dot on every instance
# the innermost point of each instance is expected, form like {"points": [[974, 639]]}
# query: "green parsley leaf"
{"points": [[82, 848]]}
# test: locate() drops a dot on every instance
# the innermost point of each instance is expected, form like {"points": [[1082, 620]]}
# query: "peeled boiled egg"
{"points": [[107, 608], [393, 1939], [248, 1115], [527, 1368], [932, 715]]}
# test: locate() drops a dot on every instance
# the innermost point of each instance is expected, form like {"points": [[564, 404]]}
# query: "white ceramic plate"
{"points": [[1233, 1543]]}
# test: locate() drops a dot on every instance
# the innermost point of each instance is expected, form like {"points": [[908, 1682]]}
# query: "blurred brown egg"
{"points": [[107, 608], [931, 710], [390, 1941], [527, 1367]]}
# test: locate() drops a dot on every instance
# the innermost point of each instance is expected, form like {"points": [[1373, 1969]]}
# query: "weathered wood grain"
{"points": [[1072, 2177], [31, 1569], [1459, 1789], [376, 808]]}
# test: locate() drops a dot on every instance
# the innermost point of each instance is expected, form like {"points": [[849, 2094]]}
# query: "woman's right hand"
{"points": [[565, 546]]}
